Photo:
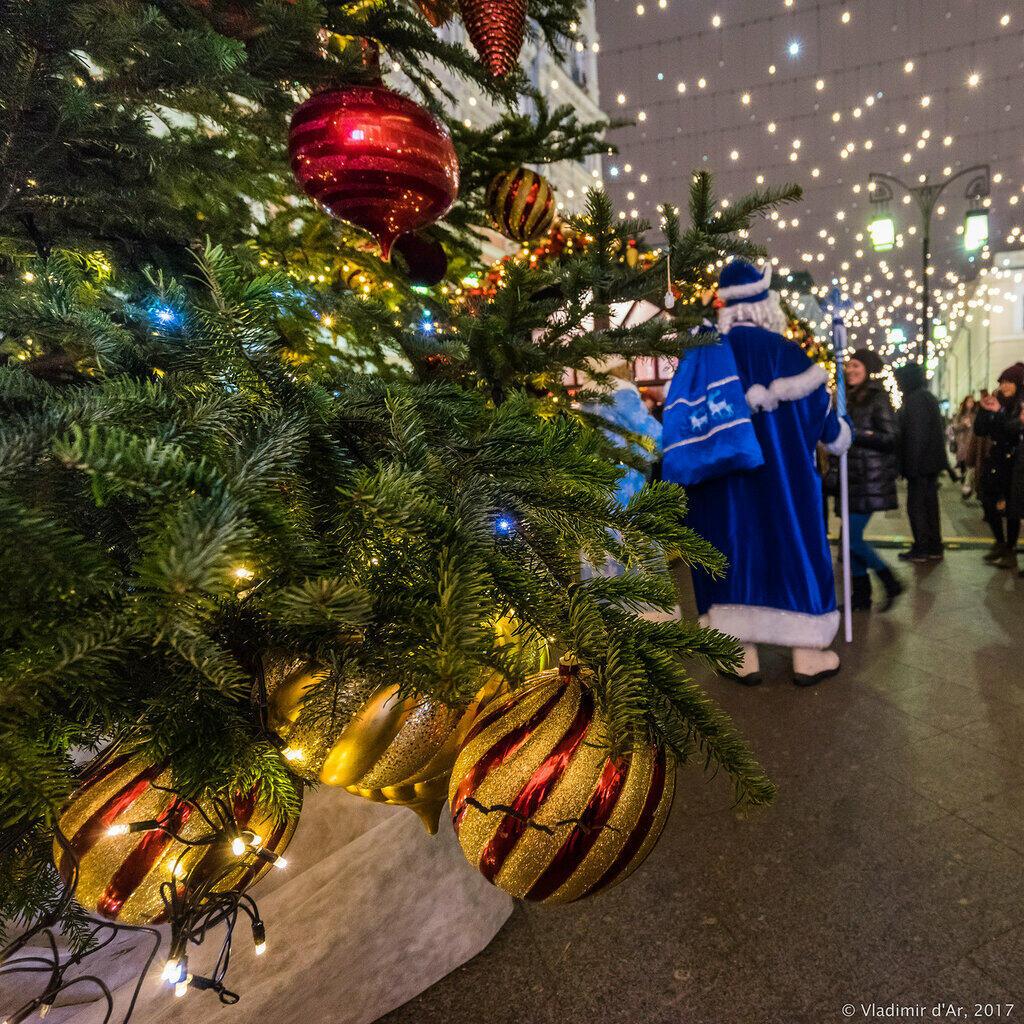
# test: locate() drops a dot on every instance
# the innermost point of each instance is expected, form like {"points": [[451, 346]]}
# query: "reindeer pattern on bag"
{"points": [[718, 408]]}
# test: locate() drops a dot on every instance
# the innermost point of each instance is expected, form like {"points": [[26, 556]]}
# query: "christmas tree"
{"points": [[235, 441]]}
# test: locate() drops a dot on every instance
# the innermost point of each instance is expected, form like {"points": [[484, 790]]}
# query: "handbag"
{"points": [[708, 432]]}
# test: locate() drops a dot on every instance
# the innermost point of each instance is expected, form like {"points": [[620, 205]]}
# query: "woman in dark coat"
{"points": [[999, 419], [1015, 501], [872, 473]]}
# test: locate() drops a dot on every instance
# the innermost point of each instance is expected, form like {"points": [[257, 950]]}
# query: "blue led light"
{"points": [[164, 315], [504, 526]]}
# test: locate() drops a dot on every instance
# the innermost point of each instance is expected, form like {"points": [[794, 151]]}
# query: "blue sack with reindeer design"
{"points": [[707, 432]]}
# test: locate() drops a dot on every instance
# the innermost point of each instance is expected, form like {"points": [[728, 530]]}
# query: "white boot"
{"points": [[749, 671], [812, 666]]}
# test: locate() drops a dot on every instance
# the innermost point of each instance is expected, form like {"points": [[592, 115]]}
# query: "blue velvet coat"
{"points": [[769, 521]]}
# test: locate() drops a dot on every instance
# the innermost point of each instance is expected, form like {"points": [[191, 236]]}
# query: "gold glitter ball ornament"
{"points": [[393, 750], [120, 873], [541, 807]]}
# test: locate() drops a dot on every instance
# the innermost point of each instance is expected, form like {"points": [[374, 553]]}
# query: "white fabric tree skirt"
{"points": [[369, 913]]}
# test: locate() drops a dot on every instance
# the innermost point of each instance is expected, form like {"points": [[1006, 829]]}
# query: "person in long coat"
{"points": [[872, 473], [921, 451], [999, 419], [769, 522]]}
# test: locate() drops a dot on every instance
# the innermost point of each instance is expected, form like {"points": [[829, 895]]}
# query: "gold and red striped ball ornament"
{"points": [[394, 750], [122, 874], [497, 29], [521, 204], [541, 807]]}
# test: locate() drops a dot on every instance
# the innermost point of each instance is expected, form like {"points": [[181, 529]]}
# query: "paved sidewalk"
{"points": [[890, 869], [962, 525]]}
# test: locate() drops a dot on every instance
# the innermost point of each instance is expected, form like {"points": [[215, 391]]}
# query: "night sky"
{"points": [[908, 87]]}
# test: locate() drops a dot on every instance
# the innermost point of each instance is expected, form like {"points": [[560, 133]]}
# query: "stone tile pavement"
{"points": [[890, 870]]}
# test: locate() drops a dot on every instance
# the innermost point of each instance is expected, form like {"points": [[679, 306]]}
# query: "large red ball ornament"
{"points": [[375, 159], [496, 29]]}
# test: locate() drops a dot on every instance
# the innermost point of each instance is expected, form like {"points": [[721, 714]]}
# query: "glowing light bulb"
{"points": [[280, 863], [238, 846], [292, 754], [260, 948], [973, 80]]}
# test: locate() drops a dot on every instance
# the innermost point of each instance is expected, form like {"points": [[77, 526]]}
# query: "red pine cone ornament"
{"points": [[521, 204], [541, 807], [122, 874], [496, 29], [374, 158]]}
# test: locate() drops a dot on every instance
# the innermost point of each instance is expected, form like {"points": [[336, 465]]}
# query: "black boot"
{"points": [[860, 593], [893, 588]]}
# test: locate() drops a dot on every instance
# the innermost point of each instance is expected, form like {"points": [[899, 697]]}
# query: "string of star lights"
{"points": [[827, 93]]}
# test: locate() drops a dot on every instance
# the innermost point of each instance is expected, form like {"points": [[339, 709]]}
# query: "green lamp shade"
{"points": [[883, 233], [976, 230]]}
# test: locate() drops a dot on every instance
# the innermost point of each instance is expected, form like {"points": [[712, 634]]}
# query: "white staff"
{"points": [[839, 307]]}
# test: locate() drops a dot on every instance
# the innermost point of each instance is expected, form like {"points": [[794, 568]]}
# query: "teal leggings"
{"points": [[862, 555]]}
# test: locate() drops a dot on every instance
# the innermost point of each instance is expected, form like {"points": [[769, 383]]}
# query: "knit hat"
{"points": [[741, 281], [871, 360], [1015, 374]]}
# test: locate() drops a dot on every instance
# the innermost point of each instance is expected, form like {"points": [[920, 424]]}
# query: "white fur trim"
{"points": [[744, 291], [786, 389], [758, 625], [841, 445], [767, 314]]}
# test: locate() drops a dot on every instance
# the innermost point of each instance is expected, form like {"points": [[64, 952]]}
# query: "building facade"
{"points": [[573, 82], [990, 337]]}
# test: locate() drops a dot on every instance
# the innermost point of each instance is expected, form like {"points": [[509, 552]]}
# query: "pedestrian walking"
{"points": [[921, 455], [963, 443], [999, 419], [872, 474], [1015, 500]]}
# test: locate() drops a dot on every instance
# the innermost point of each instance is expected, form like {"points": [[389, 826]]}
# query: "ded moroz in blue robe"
{"points": [[769, 522]]}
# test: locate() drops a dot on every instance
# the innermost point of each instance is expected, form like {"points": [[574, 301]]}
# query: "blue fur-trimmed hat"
{"points": [[741, 281]]}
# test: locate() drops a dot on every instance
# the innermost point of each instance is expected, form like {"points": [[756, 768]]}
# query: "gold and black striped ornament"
{"points": [[125, 876], [521, 204], [393, 750], [542, 808]]}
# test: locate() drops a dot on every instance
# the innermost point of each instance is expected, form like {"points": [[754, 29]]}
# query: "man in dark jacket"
{"points": [[921, 450]]}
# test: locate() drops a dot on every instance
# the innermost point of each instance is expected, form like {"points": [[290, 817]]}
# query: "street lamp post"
{"points": [[926, 197]]}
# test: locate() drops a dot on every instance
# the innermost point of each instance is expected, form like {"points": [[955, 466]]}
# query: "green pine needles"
{"points": [[197, 479]]}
